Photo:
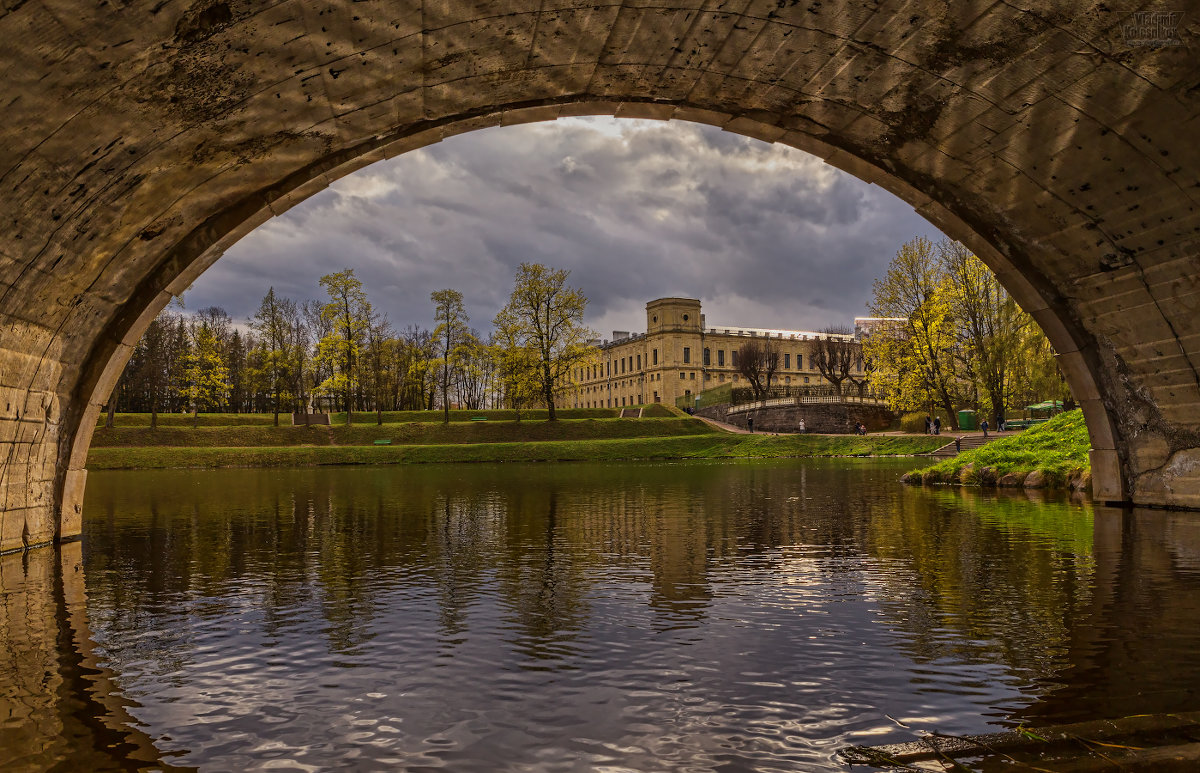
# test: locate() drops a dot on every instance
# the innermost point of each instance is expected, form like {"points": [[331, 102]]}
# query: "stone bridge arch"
{"points": [[1056, 141]]}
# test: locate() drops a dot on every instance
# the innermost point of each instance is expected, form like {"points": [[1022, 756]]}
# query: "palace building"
{"points": [[679, 355]]}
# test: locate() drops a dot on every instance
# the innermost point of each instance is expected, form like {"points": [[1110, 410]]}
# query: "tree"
{"points": [[757, 361], [545, 316], [990, 323], [516, 369], [450, 332], [834, 354], [913, 358], [378, 334], [272, 323], [348, 316], [206, 380]]}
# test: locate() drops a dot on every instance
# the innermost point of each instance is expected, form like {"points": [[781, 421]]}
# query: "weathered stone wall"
{"points": [[137, 145], [824, 418]]}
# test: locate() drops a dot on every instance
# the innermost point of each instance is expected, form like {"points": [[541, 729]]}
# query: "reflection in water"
{"points": [[689, 616]]}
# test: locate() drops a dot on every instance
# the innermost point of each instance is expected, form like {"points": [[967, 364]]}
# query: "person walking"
{"points": [[800, 427], [958, 444], [750, 424], [983, 426], [937, 425], [928, 426]]}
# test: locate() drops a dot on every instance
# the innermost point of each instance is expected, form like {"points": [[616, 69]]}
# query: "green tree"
{"points": [[206, 379], [272, 323], [450, 333], [545, 315], [347, 315], [913, 357], [991, 324]]}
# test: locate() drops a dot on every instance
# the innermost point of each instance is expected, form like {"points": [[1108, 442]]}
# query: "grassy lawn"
{"points": [[1058, 449], [711, 445], [409, 433]]}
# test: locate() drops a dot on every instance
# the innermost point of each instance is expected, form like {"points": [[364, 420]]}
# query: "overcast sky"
{"points": [[763, 235]]}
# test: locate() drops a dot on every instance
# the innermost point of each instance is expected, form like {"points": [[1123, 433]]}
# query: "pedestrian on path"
{"points": [[983, 426], [958, 444], [937, 425]]}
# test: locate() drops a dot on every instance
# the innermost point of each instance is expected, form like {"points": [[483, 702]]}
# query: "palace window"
{"points": [[787, 362], [799, 362], [692, 375], [682, 375], [733, 358], [687, 354], [806, 379], [656, 356], [721, 358], [639, 361], [707, 358], [622, 364]]}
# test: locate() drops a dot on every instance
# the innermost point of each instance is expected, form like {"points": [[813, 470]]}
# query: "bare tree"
{"points": [[835, 353], [757, 361]]}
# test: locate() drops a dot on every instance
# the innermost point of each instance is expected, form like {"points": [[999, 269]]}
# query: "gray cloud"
{"points": [[764, 235]]}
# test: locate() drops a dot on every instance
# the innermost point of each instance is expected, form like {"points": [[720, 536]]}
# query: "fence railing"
{"points": [[794, 395]]}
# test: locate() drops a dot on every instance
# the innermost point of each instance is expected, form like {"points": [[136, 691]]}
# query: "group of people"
{"points": [[860, 428]]}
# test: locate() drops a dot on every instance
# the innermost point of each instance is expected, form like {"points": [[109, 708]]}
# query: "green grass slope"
{"points": [[410, 433], [1058, 449], [698, 446]]}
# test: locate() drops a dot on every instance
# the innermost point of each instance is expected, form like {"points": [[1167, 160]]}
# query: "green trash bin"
{"points": [[966, 420]]}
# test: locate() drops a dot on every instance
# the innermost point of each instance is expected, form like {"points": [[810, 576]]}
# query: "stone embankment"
{"points": [[820, 418]]}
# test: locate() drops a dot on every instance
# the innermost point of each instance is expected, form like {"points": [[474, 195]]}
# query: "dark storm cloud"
{"points": [[762, 234]]}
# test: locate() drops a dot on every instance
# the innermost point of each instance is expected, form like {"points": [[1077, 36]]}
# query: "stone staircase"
{"points": [[974, 440], [631, 413]]}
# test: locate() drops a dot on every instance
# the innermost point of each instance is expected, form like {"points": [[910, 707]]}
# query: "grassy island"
{"points": [[421, 438], [1050, 455]]}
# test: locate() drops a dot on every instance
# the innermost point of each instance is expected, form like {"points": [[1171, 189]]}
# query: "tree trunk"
{"points": [[112, 411], [196, 417]]}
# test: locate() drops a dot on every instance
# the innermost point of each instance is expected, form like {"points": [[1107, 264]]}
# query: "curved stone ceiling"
{"points": [[1057, 140]]}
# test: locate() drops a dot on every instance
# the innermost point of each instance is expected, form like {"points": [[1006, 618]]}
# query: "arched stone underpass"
{"points": [[141, 142]]}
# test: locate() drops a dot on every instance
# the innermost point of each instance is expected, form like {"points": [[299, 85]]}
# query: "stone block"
{"points": [[1108, 483], [1148, 451], [1099, 425], [1079, 376], [70, 515]]}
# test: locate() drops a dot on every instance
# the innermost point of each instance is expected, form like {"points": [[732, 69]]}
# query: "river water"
{"points": [[675, 616]]}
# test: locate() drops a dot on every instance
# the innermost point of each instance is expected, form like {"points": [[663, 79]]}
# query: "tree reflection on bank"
{"points": [[337, 566]]}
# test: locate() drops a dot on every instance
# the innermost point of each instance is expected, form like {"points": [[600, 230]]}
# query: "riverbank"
{"points": [[1050, 455], [706, 445]]}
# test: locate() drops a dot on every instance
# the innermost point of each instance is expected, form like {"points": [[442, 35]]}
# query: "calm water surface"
{"points": [[691, 616]]}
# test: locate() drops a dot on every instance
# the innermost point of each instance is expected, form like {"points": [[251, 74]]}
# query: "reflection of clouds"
{"points": [[635, 209]]}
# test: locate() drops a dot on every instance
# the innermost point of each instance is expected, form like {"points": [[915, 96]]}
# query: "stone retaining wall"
{"points": [[825, 418]]}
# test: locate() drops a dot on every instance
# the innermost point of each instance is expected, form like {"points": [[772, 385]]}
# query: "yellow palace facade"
{"points": [[679, 356]]}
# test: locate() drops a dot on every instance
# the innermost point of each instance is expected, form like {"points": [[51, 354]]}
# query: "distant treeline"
{"points": [[343, 355]]}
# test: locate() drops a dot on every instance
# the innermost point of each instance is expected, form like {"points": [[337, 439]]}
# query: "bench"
{"points": [[383, 442], [479, 418]]}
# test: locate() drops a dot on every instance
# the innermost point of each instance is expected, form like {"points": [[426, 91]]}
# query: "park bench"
{"points": [[479, 418], [384, 442]]}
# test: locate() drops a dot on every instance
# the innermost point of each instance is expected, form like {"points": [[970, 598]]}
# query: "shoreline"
{"points": [[704, 446]]}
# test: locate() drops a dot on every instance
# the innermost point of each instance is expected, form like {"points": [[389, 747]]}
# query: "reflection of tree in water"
{"points": [[1131, 650], [541, 581], [1000, 574]]}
